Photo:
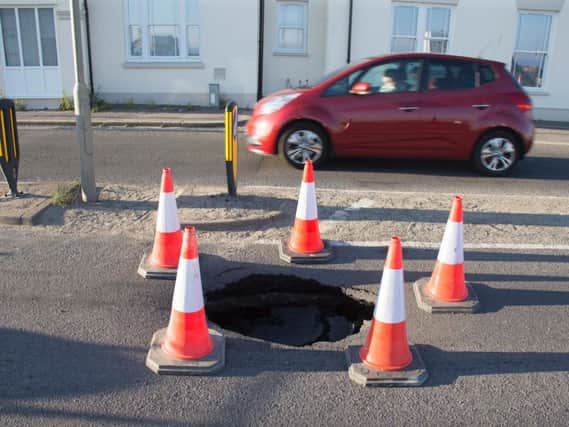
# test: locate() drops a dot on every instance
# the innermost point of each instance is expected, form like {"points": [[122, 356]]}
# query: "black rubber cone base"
{"points": [[413, 375], [286, 254], [162, 364], [149, 271], [427, 303]]}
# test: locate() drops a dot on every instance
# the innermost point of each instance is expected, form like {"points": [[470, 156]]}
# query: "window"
{"points": [[420, 29], [532, 49], [163, 30], [292, 23], [387, 77], [450, 75], [486, 74], [28, 36]]}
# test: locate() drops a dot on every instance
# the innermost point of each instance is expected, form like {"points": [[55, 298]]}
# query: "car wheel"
{"points": [[496, 153], [304, 141]]}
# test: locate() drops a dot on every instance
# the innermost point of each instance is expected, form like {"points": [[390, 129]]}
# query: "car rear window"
{"points": [[487, 74]]}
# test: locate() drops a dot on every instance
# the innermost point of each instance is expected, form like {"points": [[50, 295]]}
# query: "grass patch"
{"points": [[67, 194]]}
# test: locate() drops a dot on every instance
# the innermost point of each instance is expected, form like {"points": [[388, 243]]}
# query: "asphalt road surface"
{"points": [[77, 320], [134, 156]]}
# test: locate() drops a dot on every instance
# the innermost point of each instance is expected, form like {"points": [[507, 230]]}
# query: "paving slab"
{"points": [[26, 209]]}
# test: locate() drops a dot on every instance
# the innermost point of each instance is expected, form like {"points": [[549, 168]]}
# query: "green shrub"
{"points": [[67, 194], [66, 103]]}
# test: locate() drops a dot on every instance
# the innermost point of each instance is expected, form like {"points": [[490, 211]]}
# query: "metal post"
{"points": [[82, 111]]}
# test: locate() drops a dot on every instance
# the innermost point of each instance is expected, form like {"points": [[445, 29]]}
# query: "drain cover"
{"points": [[287, 310]]}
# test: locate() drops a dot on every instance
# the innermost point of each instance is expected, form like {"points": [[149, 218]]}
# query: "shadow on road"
{"points": [[34, 365], [445, 367], [538, 168]]}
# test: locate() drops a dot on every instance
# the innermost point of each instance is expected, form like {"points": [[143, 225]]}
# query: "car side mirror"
{"points": [[361, 88]]}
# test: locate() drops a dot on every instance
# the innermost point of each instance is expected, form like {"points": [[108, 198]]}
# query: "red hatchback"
{"points": [[401, 106]]}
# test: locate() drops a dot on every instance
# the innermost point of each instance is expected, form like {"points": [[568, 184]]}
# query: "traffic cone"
{"points": [[163, 260], [305, 244], [386, 359], [446, 290], [187, 346]]}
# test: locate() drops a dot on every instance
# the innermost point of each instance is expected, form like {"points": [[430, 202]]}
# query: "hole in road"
{"points": [[287, 310]]}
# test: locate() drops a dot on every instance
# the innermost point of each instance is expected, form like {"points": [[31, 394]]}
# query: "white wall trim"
{"points": [[163, 64], [541, 5], [429, 2]]}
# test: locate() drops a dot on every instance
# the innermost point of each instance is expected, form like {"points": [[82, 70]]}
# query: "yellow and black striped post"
{"points": [[231, 126], [9, 145]]}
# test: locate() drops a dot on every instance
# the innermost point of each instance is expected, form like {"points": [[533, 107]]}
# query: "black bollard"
{"points": [[9, 146]]}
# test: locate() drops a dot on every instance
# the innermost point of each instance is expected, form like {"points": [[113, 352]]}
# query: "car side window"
{"points": [[450, 75], [387, 77]]}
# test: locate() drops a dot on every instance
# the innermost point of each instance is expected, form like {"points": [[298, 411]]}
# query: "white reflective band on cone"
{"points": [[188, 294], [452, 246], [167, 221], [390, 306], [306, 208]]}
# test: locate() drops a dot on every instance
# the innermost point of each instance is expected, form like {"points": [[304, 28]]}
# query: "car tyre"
{"points": [[302, 141], [496, 153]]}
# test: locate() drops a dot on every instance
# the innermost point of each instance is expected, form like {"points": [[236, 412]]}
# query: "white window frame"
{"points": [[421, 37], [542, 89], [38, 35], [181, 27], [281, 50]]}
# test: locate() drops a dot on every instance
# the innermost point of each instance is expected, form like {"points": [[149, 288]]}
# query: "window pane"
{"points": [[136, 11], [533, 33], [486, 74], [47, 35], [405, 21], [450, 75], [192, 12], [292, 15], [528, 69], [402, 45], [436, 46], [163, 40], [193, 35], [438, 19], [135, 40], [291, 38], [29, 37], [10, 37], [164, 12]]}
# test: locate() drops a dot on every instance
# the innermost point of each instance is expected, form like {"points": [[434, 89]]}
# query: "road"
{"points": [[137, 156], [76, 320]]}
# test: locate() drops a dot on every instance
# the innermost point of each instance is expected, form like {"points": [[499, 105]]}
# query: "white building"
{"points": [[169, 51]]}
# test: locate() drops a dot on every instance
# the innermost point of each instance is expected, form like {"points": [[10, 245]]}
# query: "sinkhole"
{"points": [[287, 309]]}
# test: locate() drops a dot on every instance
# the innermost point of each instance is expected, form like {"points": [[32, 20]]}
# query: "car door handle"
{"points": [[481, 106], [408, 109]]}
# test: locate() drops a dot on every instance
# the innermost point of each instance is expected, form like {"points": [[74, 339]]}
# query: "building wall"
{"points": [[281, 68], [227, 41]]}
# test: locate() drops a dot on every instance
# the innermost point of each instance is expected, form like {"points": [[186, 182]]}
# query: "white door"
{"points": [[29, 53]]}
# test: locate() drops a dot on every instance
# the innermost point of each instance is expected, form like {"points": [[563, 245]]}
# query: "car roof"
{"points": [[418, 55]]}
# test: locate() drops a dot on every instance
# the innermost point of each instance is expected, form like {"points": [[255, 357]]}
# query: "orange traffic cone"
{"points": [[163, 260], [386, 357], [447, 291], [187, 346], [305, 244]]}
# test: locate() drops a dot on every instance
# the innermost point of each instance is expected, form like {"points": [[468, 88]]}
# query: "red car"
{"points": [[401, 106]]}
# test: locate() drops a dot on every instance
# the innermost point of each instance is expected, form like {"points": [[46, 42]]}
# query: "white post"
{"points": [[82, 110]]}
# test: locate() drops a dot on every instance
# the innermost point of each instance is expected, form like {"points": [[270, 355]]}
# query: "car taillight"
{"points": [[525, 107]]}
